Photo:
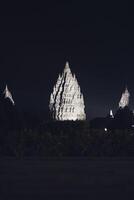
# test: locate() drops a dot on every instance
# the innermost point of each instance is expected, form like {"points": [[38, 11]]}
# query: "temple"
{"points": [[66, 100], [111, 114], [7, 94], [124, 101]]}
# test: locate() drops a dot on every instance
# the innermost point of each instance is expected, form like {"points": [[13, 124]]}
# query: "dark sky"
{"points": [[96, 38]]}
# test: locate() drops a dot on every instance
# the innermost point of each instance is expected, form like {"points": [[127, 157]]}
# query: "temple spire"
{"points": [[67, 68], [7, 94]]}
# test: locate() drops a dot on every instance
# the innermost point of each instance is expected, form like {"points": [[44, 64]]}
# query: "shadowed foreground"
{"points": [[67, 178]]}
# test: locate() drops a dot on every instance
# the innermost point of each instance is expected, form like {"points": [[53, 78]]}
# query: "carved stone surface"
{"points": [[124, 101], [7, 94], [66, 101]]}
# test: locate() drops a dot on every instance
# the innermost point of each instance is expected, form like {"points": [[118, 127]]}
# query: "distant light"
{"points": [[132, 126], [105, 129]]}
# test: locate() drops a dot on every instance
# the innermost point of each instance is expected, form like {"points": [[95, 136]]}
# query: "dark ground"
{"points": [[69, 178]]}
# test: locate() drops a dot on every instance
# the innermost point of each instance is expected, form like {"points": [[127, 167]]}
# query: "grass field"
{"points": [[68, 178]]}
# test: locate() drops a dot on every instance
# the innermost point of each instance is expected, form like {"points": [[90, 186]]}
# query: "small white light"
{"points": [[105, 129]]}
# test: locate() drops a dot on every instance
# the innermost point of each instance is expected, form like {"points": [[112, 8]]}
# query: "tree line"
{"points": [[59, 139]]}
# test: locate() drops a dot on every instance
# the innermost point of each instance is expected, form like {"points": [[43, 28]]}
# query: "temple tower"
{"points": [[7, 94], [66, 100], [124, 101]]}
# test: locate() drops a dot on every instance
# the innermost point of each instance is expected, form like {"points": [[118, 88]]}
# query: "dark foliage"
{"points": [[66, 139], [23, 135], [123, 119]]}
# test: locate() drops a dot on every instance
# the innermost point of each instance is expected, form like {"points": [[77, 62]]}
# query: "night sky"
{"points": [[96, 38]]}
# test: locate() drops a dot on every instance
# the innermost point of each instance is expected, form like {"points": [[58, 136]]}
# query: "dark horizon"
{"points": [[97, 39]]}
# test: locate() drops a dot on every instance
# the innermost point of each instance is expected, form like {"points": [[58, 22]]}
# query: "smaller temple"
{"points": [[111, 114], [7, 94], [124, 101]]}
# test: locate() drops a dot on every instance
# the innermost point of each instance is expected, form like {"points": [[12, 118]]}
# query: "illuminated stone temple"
{"points": [[124, 101], [66, 100], [7, 94]]}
